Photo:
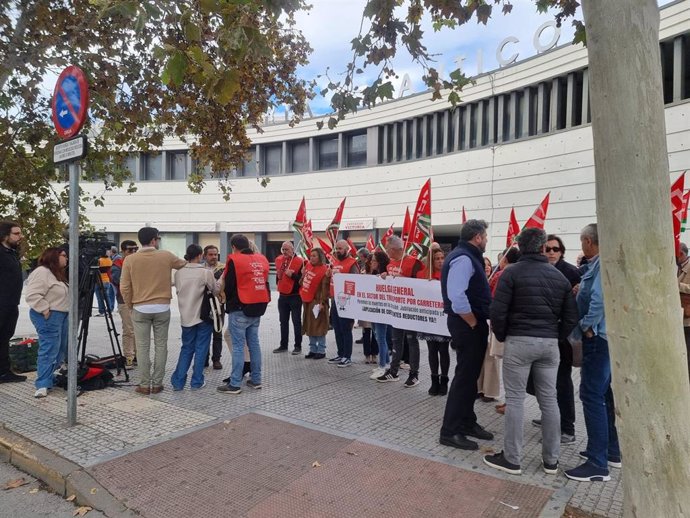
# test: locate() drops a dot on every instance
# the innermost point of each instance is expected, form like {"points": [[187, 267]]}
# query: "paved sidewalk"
{"points": [[341, 402]]}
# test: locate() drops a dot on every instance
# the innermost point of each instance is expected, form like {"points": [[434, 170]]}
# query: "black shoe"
{"points": [[498, 461], [280, 350], [360, 341], [318, 356], [443, 386], [296, 351], [226, 380], [478, 432], [536, 422], [310, 355], [458, 441], [433, 391], [11, 377]]}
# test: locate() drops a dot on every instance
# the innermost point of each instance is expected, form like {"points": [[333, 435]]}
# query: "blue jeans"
{"points": [[317, 344], [381, 334], [109, 293], [244, 330], [597, 402], [342, 327], [52, 344], [195, 344]]}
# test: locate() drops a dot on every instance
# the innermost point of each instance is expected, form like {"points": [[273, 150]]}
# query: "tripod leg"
{"points": [[112, 330]]}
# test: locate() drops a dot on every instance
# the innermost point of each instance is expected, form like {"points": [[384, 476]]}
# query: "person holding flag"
{"points": [[342, 262], [288, 274]]}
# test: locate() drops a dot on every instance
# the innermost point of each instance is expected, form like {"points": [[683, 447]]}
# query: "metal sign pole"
{"points": [[73, 294]]}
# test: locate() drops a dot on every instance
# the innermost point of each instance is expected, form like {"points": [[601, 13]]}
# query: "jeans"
{"points": [[290, 305], [470, 347], [597, 402], [195, 343], [342, 327], [244, 329], [109, 293], [143, 324], [8, 323], [410, 338], [540, 355], [52, 344], [127, 331], [317, 344], [381, 334]]}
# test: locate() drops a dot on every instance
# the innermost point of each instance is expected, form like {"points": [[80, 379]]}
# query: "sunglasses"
{"points": [[132, 248], [553, 249]]}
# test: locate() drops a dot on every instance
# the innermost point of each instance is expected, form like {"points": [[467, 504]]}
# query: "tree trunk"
{"points": [[644, 320]]}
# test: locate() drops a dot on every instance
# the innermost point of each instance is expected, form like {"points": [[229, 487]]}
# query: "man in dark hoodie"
{"points": [[11, 281], [533, 308]]}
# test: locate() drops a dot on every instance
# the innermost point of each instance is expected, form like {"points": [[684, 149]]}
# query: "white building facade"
{"points": [[520, 132]]}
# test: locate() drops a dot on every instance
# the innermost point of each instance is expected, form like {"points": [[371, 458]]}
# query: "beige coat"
{"points": [[684, 284], [191, 282], [43, 291]]}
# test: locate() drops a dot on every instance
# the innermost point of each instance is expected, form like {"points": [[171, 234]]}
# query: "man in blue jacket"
{"points": [[602, 450]]}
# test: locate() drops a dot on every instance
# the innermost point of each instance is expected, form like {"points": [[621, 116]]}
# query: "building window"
{"points": [[409, 149], [576, 110], [472, 110], [299, 157], [667, 69], [399, 140], [452, 129], [130, 164], [356, 149], [273, 156], [152, 167], [328, 153], [440, 132], [177, 165], [249, 167]]}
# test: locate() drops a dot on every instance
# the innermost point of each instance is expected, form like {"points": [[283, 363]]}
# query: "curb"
{"points": [[63, 476]]}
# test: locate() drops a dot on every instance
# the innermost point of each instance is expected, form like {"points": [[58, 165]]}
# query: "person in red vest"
{"points": [[402, 265], [314, 291], [342, 327], [247, 295], [288, 273]]}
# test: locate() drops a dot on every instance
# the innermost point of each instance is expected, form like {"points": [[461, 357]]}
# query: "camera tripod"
{"points": [[89, 282]]}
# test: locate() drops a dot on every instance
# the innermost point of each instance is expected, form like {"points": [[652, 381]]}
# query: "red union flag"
{"points": [[308, 235], [513, 229], [684, 222], [334, 227], [300, 217], [384, 238], [464, 216], [371, 246], [353, 248], [420, 234], [407, 225], [539, 217], [677, 209], [324, 246]]}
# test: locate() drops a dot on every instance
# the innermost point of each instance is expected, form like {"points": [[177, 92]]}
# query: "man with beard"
{"points": [[288, 275], [342, 327], [466, 300], [11, 281]]}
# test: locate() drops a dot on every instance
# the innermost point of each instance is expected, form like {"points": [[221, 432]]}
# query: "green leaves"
{"points": [[175, 69]]}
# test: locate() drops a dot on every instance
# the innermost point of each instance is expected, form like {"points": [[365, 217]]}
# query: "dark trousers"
{"points": [[402, 337], [217, 346], [369, 343], [8, 322], [470, 347], [686, 332], [438, 351], [565, 395], [342, 328], [290, 305]]}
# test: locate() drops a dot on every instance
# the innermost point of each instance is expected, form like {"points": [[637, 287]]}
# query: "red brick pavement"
{"points": [[257, 466]]}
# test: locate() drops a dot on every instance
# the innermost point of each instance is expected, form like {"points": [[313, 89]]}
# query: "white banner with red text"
{"points": [[404, 303]]}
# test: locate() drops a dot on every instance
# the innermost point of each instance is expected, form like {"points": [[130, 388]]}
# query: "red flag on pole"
{"points": [[300, 217], [513, 229], [464, 216], [407, 225], [308, 236], [539, 217], [384, 238], [420, 234], [334, 227], [684, 222], [371, 246], [677, 209], [353, 248], [324, 246]]}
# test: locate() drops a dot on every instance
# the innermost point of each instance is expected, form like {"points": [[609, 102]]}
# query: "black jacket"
{"points": [[11, 278], [533, 299], [569, 270]]}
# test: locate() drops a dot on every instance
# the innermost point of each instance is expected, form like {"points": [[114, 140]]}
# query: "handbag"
{"points": [[685, 304], [212, 311]]}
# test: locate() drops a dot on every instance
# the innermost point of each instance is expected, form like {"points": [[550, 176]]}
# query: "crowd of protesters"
{"points": [[514, 326]]}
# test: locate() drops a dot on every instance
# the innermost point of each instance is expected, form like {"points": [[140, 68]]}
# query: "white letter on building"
{"points": [[554, 39], [499, 52], [405, 86]]}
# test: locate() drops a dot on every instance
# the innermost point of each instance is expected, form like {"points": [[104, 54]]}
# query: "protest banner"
{"points": [[404, 303]]}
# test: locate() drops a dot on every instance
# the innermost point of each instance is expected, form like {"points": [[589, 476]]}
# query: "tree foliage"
{"points": [[202, 70]]}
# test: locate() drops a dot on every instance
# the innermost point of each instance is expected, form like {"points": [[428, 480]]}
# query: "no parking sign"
{"points": [[70, 101]]}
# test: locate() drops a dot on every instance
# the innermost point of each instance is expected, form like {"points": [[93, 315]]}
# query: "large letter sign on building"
{"points": [[70, 102]]}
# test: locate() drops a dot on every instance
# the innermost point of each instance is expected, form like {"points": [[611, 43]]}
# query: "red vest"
{"points": [[251, 271], [436, 275], [311, 279], [405, 267], [343, 266], [285, 283]]}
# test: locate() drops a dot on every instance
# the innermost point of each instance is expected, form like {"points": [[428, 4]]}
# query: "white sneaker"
{"points": [[42, 392], [378, 371]]}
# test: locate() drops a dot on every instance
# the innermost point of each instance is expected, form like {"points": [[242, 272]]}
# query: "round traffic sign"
{"points": [[70, 101]]}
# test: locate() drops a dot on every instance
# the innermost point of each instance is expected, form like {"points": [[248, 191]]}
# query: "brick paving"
{"points": [[342, 402]]}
